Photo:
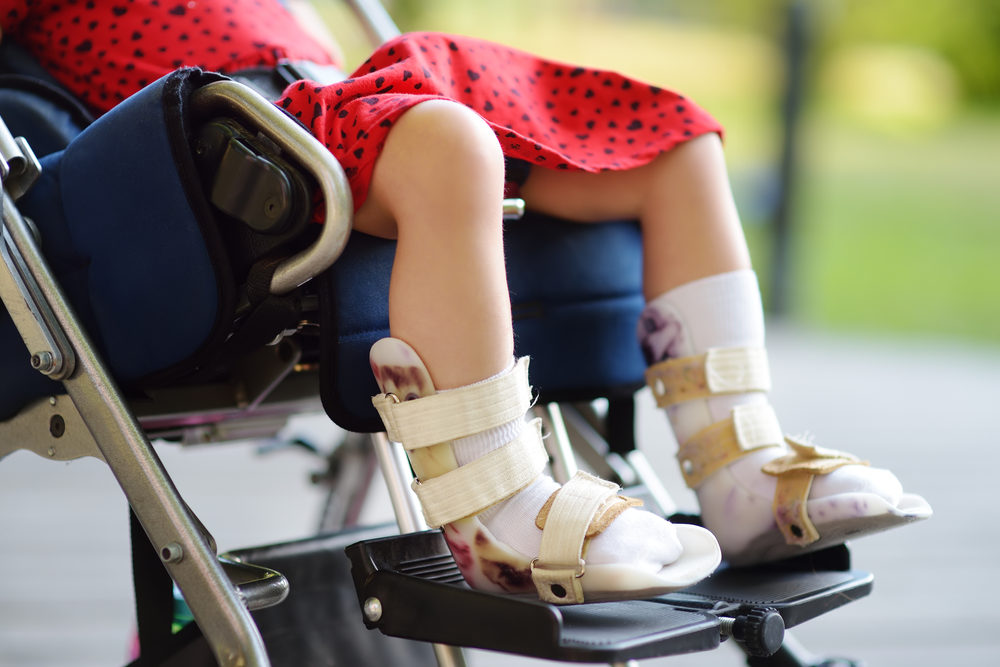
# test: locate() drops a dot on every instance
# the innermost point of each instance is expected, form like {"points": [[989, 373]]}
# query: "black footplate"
{"points": [[409, 586], [797, 593]]}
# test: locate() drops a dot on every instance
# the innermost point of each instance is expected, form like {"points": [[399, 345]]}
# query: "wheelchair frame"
{"points": [[94, 419]]}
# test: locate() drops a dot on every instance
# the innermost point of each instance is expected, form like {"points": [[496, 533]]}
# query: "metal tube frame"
{"points": [[174, 531], [60, 348]]}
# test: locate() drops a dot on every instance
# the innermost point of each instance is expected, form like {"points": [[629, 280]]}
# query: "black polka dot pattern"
{"points": [[105, 50], [544, 113]]}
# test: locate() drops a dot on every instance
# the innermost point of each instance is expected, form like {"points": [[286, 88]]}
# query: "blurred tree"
{"points": [[966, 33]]}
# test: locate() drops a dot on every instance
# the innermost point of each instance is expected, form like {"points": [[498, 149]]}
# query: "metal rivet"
{"points": [[373, 609], [687, 465], [172, 553]]}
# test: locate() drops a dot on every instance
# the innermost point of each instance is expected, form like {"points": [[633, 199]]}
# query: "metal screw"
{"points": [[172, 553], [42, 362], [373, 609]]}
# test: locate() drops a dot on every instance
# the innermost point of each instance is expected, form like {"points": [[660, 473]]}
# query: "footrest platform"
{"points": [[409, 586]]}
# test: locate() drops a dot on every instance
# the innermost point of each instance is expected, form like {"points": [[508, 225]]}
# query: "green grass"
{"points": [[900, 233]]}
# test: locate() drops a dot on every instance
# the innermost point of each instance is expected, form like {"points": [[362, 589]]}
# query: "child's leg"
{"points": [[703, 296], [682, 199], [437, 188]]}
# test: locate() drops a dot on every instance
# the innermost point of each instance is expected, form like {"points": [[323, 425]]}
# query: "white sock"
{"points": [[636, 536]]}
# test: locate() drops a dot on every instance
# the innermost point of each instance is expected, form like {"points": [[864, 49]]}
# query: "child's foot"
{"points": [[510, 528], [763, 497], [766, 496]]}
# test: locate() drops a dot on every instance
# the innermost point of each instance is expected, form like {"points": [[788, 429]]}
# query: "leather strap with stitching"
{"points": [[718, 371], [795, 473], [749, 427]]}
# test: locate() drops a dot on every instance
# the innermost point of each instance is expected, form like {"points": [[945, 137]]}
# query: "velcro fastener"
{"points": [[790, 511], [456, 413], [795, 473], [730, 370], [471, 488], [559, 567], [749, 427]]}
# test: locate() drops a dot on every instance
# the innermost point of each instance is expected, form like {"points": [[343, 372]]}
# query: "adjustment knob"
{"points": [[760, 631]]}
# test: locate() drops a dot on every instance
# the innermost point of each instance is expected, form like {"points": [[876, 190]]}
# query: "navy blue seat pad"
{"points": [[131, 240], [576, 293]]}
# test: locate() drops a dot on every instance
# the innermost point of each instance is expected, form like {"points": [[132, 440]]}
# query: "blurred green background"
{"points": [[892, 218]]}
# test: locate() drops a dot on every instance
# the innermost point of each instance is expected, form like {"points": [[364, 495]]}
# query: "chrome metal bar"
{"points": [[558, 445], [375, 21], [173, 530], [49, 351], [513, 209], [449, 656], [230, 97], [651, 481], [396, 473]]}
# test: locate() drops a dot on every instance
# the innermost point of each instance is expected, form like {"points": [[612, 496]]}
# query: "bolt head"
{"points": [[373, 609]]}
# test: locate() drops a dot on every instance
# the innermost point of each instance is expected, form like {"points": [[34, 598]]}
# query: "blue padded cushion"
{"points": [[46, 124], [124, 236], [576, 293]]}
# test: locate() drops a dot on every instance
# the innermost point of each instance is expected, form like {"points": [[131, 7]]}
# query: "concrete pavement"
{"points": [[925, 409]]}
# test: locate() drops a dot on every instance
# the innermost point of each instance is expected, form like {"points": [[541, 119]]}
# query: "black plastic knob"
{"points": [[759, 630]]}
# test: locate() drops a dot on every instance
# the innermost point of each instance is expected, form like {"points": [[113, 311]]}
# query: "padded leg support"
{"points": [[426, 422]]}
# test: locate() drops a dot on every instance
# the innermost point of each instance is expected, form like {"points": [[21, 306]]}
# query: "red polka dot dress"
{"points": [[549, 114]]}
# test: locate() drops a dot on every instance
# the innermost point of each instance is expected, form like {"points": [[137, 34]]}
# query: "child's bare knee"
{"points": [[444, 137]]}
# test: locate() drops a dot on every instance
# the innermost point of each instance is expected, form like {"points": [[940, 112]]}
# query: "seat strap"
{"points": [[718, 371], [456, 413], [490, 479], [749, 427], [559, 567]]}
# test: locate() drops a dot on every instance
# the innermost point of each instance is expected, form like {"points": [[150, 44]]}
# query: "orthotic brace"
{"points": [[795, 473], [718, 371], [750, 427], [582, 508], [457, 413]]}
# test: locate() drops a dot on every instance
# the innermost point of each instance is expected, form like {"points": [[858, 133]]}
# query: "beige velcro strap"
{"points": [[605, 515], [795, 473], [719, 371], [749, 427], [471, 488], [456, 413], [559, 567]]}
